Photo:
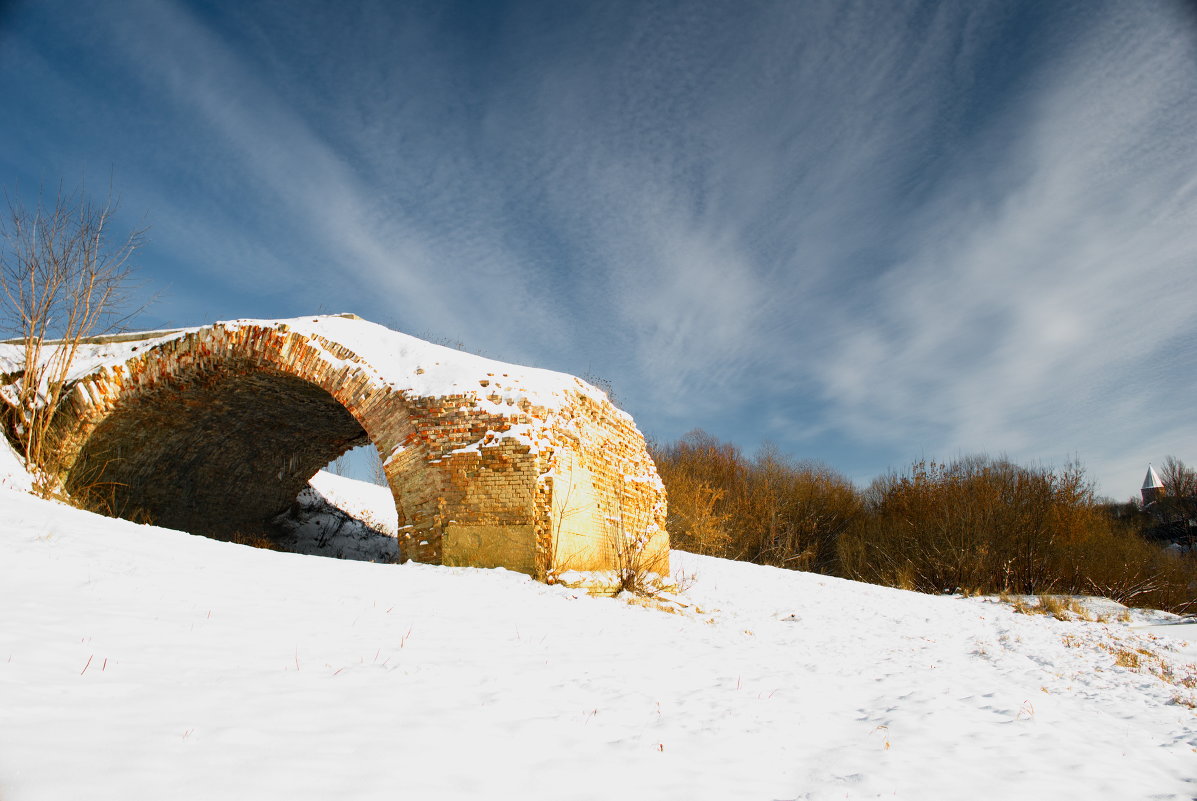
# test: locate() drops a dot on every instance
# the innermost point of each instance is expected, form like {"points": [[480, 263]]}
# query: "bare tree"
{"points": [[63, 279], [1177, 509], [378, 470], [1180, 480]]}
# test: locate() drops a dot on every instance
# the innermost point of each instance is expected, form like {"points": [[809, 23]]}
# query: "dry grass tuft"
{"points": [[1025, 607], [1145, 660], [1124, 657], [1055, 606], [1061, 607], [664, 601], [1185, 699], [1138, 656], [254, 541], [650, 602]]}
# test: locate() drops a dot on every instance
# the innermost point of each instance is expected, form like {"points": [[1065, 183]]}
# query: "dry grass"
{"points": [[651, 602], [904, 578], [254, 541], [1025, 607], [1124, 657], [1056, 606], [667, 602], [1185, 699], [1061, 607], [1140, 657]]}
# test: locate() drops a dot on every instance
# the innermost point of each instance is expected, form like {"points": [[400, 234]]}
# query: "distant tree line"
{"points": [[974, 525]]}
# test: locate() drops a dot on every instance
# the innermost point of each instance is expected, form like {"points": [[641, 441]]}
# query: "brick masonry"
{"points": [[217, 429]]}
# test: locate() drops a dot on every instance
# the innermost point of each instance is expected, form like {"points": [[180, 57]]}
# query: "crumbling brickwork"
{"points": [[217, 429]]}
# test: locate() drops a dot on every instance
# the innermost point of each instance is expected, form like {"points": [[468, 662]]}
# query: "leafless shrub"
{"points": [[769, 510], [976, 525], [636, 566], [989, 525], [63, 279]]}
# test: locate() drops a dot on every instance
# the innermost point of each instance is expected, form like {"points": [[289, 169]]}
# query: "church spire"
{"points": [[1153, 488]]}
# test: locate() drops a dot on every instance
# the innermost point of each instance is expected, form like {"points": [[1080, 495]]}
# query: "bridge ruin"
{"points": [[216, 429]]}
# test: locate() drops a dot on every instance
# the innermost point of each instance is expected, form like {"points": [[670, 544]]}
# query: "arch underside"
{"points": [[217, 454]]}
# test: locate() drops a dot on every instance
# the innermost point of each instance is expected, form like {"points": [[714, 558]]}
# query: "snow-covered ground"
{"points": [[369, 502], [12, 469], [143, 663], [342, 518]]}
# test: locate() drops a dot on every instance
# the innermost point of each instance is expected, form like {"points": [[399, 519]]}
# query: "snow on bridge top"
{"points": [[397, 360]]}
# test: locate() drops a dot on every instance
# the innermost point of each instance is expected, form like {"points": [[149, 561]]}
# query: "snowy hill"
{"points": [[143, 663]]}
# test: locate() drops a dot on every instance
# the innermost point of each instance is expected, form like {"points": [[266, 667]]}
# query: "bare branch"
{"points": [[62, 279]]}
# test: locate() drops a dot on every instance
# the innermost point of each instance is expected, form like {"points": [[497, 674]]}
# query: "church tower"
{"points": [[1153, 488]]}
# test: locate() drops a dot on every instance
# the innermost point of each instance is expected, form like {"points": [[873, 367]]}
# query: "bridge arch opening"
{"points": [[213, 454]]}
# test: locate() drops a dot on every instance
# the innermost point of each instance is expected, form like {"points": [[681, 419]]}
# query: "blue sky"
{"points": [[869, 232]]}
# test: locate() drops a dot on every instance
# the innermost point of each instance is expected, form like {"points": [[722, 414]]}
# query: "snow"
{"points": [[411, 364], [12, 468], [1183, 632], [394, 359], [370, 502], [138, 662]]}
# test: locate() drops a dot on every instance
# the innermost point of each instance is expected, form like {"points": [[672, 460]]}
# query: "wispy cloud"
{"points": [[1041, 293], [282, 202], [948, 261], [921, 228]]}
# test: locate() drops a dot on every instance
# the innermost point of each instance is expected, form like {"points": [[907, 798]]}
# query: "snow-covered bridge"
{"points": [[215, 430]]}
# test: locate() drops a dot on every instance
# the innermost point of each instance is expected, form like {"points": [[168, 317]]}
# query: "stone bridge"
{"points": [[215, 430]]}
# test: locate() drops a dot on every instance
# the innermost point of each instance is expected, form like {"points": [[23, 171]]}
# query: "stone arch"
{"points": [[220, 428], [236, 417]]}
